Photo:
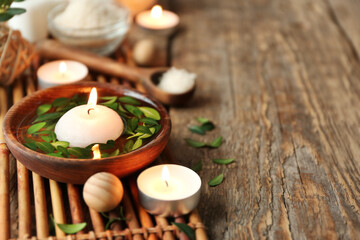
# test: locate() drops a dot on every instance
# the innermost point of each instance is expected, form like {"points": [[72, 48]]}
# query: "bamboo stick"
{"points": [[42, 226], [4, 192], [57, 206], [97, 221], [77, 214], [163, 223], [130, 215], [24, 210], [101, 79], [200, 233], [4, 173], [114, 81], [144, 217]]}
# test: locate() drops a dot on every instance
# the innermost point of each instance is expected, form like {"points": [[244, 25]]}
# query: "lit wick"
{"points": [[62, 69], [165, 174], [96, 151], [92, 100]]}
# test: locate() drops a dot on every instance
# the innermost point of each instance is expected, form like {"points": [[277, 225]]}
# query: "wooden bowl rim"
{"points": [[11, 138]]}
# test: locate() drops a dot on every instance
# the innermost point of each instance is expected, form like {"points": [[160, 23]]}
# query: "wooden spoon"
{"points": [[148, 77]]}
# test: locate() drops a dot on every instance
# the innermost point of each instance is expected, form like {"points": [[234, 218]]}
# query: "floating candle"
{"points": [[157, 19], [169, 190], [60, 72], [88, 124]]}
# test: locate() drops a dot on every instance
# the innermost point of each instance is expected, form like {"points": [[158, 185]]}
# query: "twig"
{"points": [[57, 206], [162, 222], [77, 215], [97, 221]]}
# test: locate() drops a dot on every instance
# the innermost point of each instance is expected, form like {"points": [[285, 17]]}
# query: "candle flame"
{"points": [[96, 151], [156, 11], [92, 98], [165, 175], [62, 68]]}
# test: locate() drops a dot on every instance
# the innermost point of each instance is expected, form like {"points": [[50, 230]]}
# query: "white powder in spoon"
{"points": [[85, 14], [177, 81]]}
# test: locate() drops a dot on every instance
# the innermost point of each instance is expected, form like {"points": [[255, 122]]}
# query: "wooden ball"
{"points": [[103, 192], [144, 52]]}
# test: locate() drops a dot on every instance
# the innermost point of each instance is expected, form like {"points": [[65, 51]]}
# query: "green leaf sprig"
{"points": [[141, 123], [6, 12], [207, 125], [189, 232], [69, 228]]}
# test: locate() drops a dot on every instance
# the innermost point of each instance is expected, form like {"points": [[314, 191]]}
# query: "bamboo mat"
{"points": [[27, 199]]}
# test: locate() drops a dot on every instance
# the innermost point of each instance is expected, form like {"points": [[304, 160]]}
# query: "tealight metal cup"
{"points": [[170, 207]]}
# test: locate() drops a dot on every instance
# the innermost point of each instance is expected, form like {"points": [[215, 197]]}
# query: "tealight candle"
{"points": [[157, 19], [169, 190], [60, 72], [87, 124]]}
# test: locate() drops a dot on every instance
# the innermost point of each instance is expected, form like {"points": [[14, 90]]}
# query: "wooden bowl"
{"points": [[72, 170]]}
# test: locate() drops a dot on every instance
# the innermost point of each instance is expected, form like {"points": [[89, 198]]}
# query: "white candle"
{"points": [[88, 124], [169, 189], [60, 72], [157, 19], [33, 23]]}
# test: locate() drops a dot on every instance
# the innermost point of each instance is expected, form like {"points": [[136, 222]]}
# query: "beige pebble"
{"points": [[144, 52], [103, 192]]}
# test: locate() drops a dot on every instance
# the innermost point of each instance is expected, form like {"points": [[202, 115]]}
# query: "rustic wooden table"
{"points": [[281, 80]]}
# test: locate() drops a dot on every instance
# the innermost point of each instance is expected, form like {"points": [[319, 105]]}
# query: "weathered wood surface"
{"points": [[281, 80]]}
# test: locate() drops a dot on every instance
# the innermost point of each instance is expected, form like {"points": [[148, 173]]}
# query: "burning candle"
{"points": [[61, 72], [87, 124], [157, 19], [169, 190]]}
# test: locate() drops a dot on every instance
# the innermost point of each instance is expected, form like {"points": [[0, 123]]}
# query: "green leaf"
{"points": [[129, 100], [31, 145], [157, 128], [135, 135], [134, 110], [45, 147], [108, 145], [5, 16], [36, 127], [149, 121], [194, 143], [143, 129], [71, 228], [202, 120], [58, 154], [216, 180], [223, 161], [61, 102], [43, 109], [50, 126], [46, 138], [114, 153], [152, 130], [197, 130], [62, 144], [208, 126], [63, 151], [48, 116], [110, 100], [132, 124], [216, 143], [15, 11], [150, 113], [79, 152], [137, 144], [197, 167], [128, 146], [52, 136], [189, 232]]}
